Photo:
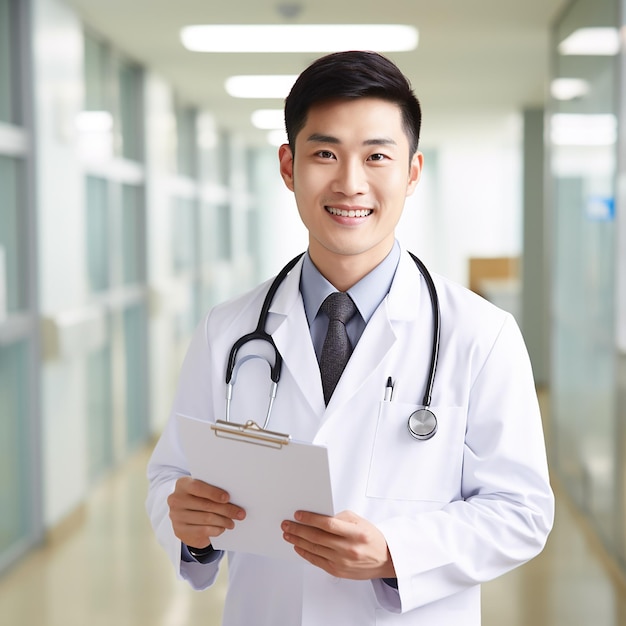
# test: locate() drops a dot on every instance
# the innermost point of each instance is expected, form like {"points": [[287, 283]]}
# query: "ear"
{"points": [[285, 157], [415, 172]]}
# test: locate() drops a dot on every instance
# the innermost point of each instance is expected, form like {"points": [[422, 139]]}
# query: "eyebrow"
{"points": [[379, 141]]}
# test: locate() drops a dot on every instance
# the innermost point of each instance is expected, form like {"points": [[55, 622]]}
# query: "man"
{"points": [[422, 523]]}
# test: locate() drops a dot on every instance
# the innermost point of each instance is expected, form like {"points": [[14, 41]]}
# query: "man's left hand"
{"points": [[345, 546]]}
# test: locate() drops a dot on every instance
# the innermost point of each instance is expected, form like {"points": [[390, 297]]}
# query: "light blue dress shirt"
{"points": [[367, 295]]}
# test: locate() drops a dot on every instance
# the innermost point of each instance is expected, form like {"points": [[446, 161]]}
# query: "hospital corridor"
{"points": [[146, 177]]}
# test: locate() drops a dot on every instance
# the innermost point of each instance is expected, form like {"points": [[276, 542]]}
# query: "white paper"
{"points": [[271, 484]]}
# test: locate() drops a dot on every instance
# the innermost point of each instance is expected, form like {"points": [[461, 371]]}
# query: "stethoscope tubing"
{"points": [[259, 333], [434, 354], [417, 420]]}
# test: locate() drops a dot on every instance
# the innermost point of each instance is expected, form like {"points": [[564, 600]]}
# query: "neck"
{"points": [[344, 271]]}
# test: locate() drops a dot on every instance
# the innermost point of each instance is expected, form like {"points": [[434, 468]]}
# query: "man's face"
{"points": [[351, 175]]}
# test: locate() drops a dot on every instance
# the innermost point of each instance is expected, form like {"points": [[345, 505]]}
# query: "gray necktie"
{"points": [[336, 349]]}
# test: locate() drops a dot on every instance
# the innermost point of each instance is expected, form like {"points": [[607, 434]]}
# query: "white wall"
{"points": [[281, 232], [160, 132], [478, 189], [58, 71]]}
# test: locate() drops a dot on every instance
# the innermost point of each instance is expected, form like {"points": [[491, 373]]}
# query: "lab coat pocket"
{"points": [[404, 468]]}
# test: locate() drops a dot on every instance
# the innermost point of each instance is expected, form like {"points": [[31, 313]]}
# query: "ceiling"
{"points": [[476, 59]]}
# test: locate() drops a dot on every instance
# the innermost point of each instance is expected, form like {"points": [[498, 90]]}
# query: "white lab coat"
{"points": [[461, 508]]}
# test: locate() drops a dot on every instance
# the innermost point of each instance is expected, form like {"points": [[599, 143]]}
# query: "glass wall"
{"points": [[97, 235], [133, 235], [20, 495], [183, 229], [186, 153], [99, 412], [130, 101], [6, 62], [134, 319], [15, 470], [583, 143], [12, 236], [184, 224], [115, 249]]}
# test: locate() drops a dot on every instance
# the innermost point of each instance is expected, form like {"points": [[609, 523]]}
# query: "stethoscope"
{"points": [[422, 423]]}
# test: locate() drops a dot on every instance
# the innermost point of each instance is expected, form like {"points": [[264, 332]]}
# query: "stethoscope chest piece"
{"points": [[422, 424]]}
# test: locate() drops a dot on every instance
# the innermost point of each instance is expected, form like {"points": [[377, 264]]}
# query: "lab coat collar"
{"points": [[288, 326], [406, 290], [403, 299]]}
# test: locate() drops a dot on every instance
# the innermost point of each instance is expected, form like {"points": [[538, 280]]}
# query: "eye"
{"points": [[325, 154], [377, 156]]}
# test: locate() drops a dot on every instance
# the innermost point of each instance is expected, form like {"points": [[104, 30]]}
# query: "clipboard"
{"points": [[267, 473]]}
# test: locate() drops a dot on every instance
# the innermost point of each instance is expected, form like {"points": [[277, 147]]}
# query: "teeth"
{"points": [[350, 213]]}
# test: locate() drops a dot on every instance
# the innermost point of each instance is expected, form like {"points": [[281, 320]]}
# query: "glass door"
{"points": [[583, 145]]}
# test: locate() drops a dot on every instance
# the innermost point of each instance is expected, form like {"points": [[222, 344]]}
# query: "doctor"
{"points": [[423, 523]]}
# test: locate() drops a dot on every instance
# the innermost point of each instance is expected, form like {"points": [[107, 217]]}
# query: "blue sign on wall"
{"points": [[600, 208]]}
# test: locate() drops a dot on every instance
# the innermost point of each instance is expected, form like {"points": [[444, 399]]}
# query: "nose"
{"points": [[351, 178]]}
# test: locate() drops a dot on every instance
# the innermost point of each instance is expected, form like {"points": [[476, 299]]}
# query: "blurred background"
{"points": [[139, 186]]}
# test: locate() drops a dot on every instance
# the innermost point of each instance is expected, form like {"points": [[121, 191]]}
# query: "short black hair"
{"points": [[348, 75]]}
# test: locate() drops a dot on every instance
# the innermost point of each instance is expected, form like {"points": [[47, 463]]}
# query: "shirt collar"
{"points": [[367, 294]]}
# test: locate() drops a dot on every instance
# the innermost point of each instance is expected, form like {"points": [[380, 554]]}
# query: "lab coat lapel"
{"points": [[381, 334], [289, 329], [376, 341]]}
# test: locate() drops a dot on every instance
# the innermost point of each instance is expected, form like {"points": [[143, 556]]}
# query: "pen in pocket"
{"points": [[389, 389]]}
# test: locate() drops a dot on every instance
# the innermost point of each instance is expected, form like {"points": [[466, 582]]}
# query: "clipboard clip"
{"points": [[250, 432]]}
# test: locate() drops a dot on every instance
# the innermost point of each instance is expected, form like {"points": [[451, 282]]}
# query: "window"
{"points": [[6, 63], [99, 412], [13, 279], [132, 235], [186, 141], [184, 234], [129, 107], [97, 240], [135, 322], [224, 232], [16, 521]]}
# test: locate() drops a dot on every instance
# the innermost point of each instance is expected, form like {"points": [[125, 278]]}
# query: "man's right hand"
{"points": [[200, 511]]}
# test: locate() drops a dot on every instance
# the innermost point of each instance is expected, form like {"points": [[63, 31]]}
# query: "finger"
{"points": [[320, 557], [198, 496], [308, 546], [200, 489], [200, 508], [206, 519], [197, 528], [313, 540], [337, 525]]}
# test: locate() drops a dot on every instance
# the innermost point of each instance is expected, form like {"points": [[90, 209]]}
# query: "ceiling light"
{"points": [[268, 119], [591, 42], [568, 88], [260, 86], [299, 37], [570, 129], [94, 122]]}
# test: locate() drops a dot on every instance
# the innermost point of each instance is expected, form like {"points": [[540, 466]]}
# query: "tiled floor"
{"points": [[111, 572]]}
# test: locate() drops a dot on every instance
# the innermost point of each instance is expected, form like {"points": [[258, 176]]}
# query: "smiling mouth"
{"points": [[349, 212]]}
